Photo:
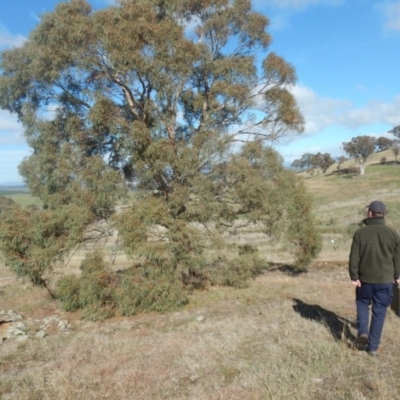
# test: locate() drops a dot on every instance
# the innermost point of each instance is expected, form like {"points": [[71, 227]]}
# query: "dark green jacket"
{"points": [[375, 253]]}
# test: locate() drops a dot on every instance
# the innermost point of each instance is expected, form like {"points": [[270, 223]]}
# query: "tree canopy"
{"points": [[383, 143], [395, 131], [323, 161], [360, 148], [307, 160], [396, 151], [340, 161], [178, 99], [318, 160]]}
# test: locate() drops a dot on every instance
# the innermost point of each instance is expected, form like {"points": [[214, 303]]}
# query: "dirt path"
{"points": [[6, 280]]}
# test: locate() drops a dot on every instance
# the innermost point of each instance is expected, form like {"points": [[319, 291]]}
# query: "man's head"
{"points": [[377, 209]]}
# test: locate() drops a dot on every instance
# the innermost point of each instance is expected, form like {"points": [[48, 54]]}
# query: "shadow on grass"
{"points": [[339, 327], [287, 269]]}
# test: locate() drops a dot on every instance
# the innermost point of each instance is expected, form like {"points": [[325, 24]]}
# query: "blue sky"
{"points": [[346, 54]]}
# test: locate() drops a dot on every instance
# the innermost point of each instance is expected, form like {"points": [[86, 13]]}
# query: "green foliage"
{"points": [[238, 271], [396, 151], [323, 161], [360, 148], [300, 224], [187, 119], [306, 160], [395, 131], [383, 143], [247, 249], [99, 292], [309, 160], [144, 290], [33, 241], [94, 291], [6, 204], [68, 292]]}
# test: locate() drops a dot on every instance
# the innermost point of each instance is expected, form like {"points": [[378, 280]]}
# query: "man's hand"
{"points": [[356, 283], [397, 282]]}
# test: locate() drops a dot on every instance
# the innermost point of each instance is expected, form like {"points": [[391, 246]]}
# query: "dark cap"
{"points": [[377, 207]]}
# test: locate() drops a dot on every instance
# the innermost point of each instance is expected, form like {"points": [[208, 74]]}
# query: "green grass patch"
{"points": [[22, 198], [11, 192]]}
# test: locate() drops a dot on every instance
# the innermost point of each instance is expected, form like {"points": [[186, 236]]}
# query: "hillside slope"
{"points": [[290, 335]]}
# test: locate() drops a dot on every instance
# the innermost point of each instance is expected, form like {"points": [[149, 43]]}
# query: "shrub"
{"points": [[94, 291], [138, 292], [100, 293], [68, 292], [237, 272]]}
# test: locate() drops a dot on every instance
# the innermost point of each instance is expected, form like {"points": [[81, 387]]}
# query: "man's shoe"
{"points": [[373, 353], [362, 342]]}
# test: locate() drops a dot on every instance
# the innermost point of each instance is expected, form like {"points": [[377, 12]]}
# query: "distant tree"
{"points": [[396, 151], [306, 160], [129, 95], [297, 165], [360, 148], [311, 161], [395, 131], [323, 161], [340, 161], [383, 143]]}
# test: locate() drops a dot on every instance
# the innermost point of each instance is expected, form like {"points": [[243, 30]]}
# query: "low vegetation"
{"points": [[285, 336], [289, 334]]}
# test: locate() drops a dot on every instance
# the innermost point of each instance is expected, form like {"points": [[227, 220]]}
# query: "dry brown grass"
{"points": [[283, 337], [287, 336]]}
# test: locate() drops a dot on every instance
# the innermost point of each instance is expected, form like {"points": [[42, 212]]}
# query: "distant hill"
{"points": [[13, 186], [14, 190]]}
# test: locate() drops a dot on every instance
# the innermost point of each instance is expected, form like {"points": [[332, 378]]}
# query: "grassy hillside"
{"points": [[288, 336], [340, 199], [21, 197]]}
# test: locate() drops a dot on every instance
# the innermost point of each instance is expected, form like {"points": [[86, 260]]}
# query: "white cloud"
{"points": [[374, 112], [9, 40], [9, 161], [9, 122], [391, 14], [323, 112], [17, 139], [279, 23], [10, 129], [319, 112]]}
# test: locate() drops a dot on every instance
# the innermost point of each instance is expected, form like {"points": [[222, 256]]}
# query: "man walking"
{"points": [[374, 264]]}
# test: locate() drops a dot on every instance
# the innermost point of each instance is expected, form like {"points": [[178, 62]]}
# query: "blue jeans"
{"points": [[380, 296]]}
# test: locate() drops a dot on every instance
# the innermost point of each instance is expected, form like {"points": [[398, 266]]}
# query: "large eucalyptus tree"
{"points": [[180, 99]]}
